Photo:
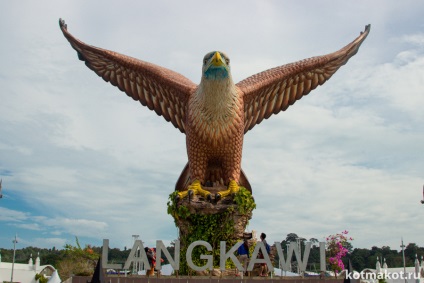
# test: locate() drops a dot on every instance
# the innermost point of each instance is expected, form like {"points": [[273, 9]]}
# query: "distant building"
{"points": [[397, 274], [24, 273]]}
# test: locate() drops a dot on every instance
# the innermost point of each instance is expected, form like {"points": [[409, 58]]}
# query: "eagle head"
{"points": [[216, 66]]}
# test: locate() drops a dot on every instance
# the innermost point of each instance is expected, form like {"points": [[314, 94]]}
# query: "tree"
{"points": [[358, 262], [359, 258], [291, 237], [77, 261], [313, 241], [411, 251]]}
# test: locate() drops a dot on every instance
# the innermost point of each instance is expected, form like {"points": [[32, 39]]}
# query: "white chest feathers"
{"points": [[215, 112]]}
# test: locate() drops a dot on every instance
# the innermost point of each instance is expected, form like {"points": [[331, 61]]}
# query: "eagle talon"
{"points": [[233, 189], [181, 195], [194, 189]]}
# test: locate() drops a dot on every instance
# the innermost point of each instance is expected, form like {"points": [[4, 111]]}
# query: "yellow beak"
{"points": [[217, 59]]}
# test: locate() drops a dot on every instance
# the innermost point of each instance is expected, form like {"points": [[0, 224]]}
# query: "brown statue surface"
{"points": [[217, 113]]}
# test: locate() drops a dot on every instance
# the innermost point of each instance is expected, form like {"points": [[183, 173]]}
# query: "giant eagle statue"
{"points": [[217, 113]]}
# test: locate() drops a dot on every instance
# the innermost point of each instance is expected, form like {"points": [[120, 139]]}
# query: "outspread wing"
{"points": [[274, 90], [160, 89]]}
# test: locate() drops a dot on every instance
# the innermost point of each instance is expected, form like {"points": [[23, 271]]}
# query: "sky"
{"points": [[78, 158]]}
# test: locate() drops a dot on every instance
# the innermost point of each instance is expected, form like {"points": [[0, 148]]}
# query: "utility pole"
{"points": [[403, 255], [14, 253]]}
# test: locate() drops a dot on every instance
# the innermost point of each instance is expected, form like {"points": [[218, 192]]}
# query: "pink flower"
{"points": [[336, 249]]}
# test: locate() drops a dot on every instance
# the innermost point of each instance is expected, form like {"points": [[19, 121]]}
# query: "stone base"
{"points": [[210, 221]]}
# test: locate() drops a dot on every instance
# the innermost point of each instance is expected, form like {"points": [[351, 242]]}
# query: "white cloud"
{"points": [[415, 39], [30, 226], [12, 215], [18, 149], [81, 227]]}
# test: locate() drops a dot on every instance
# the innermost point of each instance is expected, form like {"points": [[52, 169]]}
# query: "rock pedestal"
{"points": [[211, 221], [200, 206]]}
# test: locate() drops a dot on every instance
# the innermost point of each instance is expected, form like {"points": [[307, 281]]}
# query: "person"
{"points": [[243, 252], [151, 259], [264, 267]]}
